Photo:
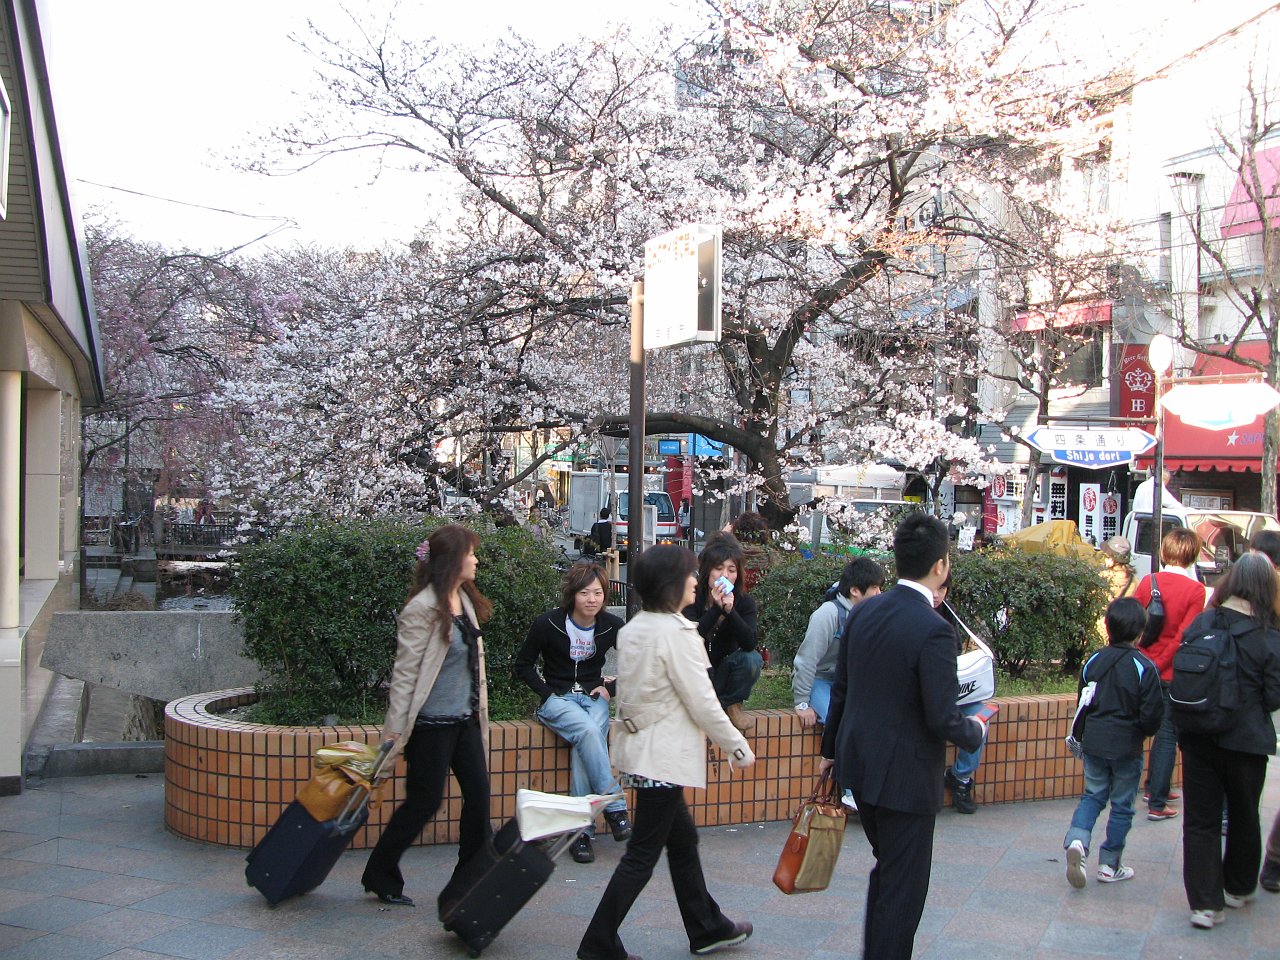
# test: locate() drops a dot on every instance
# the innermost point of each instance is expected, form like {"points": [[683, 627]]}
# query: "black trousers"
{"points": [[661, 819], [902, 844], [431, 753], [1211, 774]]}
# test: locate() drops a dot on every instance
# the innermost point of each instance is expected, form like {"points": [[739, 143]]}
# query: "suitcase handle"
{"points": [[359, 799]]}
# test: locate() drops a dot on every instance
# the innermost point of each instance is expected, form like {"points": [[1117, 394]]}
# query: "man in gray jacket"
{"points": [[814, 667]]}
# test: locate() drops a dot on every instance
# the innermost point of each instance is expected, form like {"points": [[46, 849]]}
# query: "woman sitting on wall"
{"points": [[571, 643]]}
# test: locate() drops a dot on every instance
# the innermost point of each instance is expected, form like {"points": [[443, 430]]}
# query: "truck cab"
{"points": [[666, 527], [1225, 535]]}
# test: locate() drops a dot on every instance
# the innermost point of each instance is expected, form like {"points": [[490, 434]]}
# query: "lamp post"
{"points": [[1160, 356]]}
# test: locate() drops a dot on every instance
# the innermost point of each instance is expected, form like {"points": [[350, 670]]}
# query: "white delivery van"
{"points": [[1225, 533]]}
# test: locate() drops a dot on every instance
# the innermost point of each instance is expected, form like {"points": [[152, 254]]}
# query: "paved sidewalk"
{"points": [[87, 870]]}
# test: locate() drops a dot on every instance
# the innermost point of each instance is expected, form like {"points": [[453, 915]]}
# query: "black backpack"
{"points": [[1205, 691]]}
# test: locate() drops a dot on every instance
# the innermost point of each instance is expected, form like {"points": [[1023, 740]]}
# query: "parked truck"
{"points": [[591, 490], [1225, 535]]}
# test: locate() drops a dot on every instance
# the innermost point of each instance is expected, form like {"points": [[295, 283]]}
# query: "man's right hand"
{"points": [[808, 716], [825, 765]]}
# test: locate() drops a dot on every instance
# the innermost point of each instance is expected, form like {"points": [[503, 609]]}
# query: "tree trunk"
{"points": [[1034, 468]]}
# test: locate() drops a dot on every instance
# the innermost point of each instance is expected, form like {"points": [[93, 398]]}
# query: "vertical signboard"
{"points": [[682, 286]]}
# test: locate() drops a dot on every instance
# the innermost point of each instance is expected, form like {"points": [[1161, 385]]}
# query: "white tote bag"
{"points": [[976, 670]]}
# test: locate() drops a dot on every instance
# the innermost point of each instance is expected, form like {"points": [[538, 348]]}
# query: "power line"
{"points": [[187, 203]]}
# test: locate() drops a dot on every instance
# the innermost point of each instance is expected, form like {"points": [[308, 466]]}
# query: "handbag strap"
{"points": [[977, 640], [824, 790], [1155, 587]]}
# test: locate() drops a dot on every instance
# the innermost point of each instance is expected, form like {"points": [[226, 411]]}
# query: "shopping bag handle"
{"points": [[364, 788]]}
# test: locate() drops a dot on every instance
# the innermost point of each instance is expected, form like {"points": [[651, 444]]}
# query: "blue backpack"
{"points": [[842, 617]]}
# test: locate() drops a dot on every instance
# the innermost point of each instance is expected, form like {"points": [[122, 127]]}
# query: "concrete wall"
{"points": [[163, 655]]}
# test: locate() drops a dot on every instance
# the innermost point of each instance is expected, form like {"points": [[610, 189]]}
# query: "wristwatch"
{"points": [[802, 706]]}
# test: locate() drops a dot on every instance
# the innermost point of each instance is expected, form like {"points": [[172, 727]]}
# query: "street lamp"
{"points": [[1160, 356]]}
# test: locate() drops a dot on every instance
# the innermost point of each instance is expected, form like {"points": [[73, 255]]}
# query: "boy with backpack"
{"points": [[814, 668], [1126, 707]]}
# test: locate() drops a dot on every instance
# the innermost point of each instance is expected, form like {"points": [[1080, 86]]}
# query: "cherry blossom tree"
{"points": [[171, 323], [813, 131]]}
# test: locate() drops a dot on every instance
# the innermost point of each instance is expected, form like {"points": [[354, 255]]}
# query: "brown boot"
{"points": [[738, 717]]}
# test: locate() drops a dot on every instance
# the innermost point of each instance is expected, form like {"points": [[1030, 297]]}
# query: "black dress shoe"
{"points": [[395, 899], [619, 824]]}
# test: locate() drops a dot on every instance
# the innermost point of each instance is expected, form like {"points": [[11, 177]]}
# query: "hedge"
{"points": [[318, 604], [1041, 612]]}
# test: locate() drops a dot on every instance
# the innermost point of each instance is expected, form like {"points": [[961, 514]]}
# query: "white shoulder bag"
{"points": [[976, 670]]}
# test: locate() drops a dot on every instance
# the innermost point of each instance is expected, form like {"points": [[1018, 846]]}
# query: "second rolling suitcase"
{"points": [[494, 885]]}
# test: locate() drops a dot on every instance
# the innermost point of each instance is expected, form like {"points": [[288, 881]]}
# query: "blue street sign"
{"points": [[1091, 448], [700, 446]]}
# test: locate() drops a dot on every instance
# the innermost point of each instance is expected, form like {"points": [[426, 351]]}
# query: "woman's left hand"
{"points": [[601, 692]]}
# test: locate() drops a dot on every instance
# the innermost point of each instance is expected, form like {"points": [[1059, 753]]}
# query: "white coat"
{"points": [[665, 703]]}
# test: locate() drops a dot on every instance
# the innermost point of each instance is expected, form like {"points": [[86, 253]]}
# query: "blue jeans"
{"points": [[735, 675], [1164, 753], [1116, 780], [585, 724], [820, 698], [966, 763]]}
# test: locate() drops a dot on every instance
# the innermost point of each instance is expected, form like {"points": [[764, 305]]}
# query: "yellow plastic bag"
{"points": [[340, 769]]}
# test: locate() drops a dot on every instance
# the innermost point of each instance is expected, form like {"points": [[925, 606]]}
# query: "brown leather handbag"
{"points": [[809, 856]]}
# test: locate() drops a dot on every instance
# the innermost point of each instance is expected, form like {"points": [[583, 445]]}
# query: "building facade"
{"points": [[50, 369]]}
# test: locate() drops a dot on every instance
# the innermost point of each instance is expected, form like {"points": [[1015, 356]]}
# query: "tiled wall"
{"points": [[227, 782]]}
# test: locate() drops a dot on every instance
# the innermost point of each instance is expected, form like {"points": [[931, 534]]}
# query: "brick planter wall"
{"points": [[227, 782]]}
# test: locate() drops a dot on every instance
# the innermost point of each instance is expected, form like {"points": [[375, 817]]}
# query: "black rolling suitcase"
{"points": [[494, 885], [299, 851]]}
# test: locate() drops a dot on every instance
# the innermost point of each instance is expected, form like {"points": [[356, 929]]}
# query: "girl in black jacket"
{"points": [[1232, 765], [726, 621], [571, 644]]}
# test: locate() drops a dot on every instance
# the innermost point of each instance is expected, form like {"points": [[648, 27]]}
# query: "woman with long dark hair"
{"points": [[665, 703], [437, 710], [726, 619], [1232, 765]]}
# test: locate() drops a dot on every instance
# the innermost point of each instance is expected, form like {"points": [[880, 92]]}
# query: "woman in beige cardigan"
{"points": [[665, 702], [437, 710]]}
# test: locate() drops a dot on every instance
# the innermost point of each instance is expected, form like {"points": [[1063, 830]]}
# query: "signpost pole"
{"points": [[1160, 357], [1157, 504], [635, 446]]}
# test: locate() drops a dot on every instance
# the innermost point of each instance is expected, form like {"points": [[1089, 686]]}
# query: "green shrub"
{"points": [[517, 573], [318, 605], [1040, 610]]}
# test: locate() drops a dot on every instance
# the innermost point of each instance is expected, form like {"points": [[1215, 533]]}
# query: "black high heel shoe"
{"points": [[395, 899]]}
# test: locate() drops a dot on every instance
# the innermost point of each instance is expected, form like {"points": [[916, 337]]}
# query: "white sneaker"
{"points": [[1108, 874], [1076, 858], [848, 801], [1207, 919], [1234, 902]]}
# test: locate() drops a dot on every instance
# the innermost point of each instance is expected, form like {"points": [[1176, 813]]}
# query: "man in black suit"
{"points": [[893, 708]]}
